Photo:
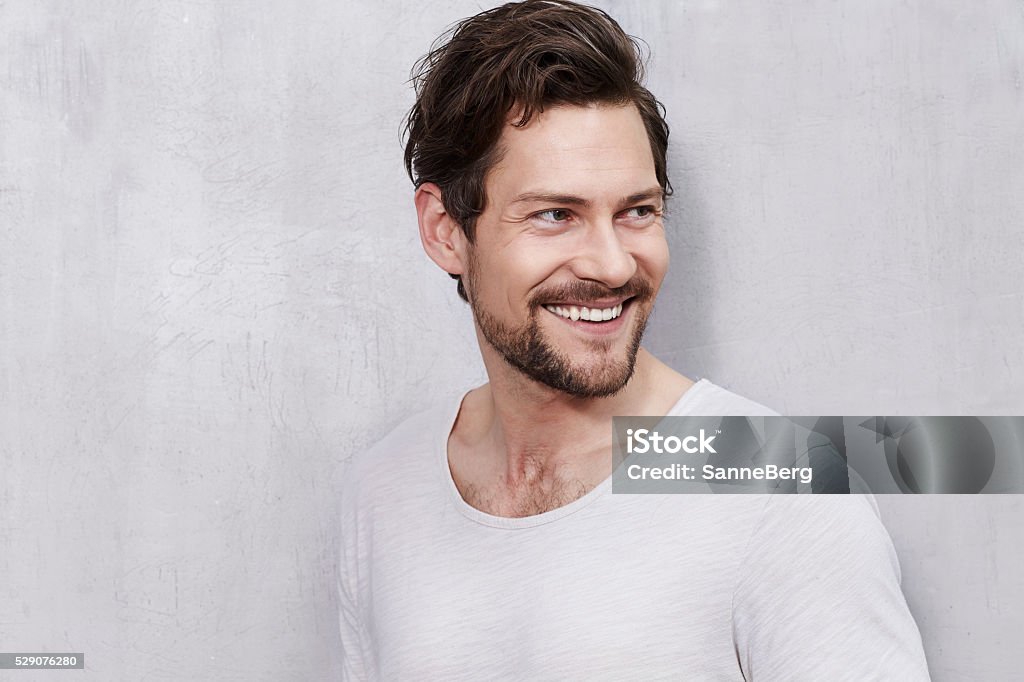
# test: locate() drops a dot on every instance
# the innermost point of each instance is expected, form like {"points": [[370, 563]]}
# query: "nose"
{"points": [[603, 257]]}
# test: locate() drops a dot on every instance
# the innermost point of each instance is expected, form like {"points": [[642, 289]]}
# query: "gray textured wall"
{"points": [[212, 291]]}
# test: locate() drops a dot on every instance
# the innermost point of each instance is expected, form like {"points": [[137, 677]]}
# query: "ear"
{"points": [[441, 236]]}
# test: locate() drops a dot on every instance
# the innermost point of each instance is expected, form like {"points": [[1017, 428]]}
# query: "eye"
{"points": [[641, 214], [640, 211], [554, 215]]}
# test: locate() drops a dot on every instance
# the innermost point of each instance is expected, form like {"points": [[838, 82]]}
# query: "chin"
{"points": [[589, 377], [584, 366]]}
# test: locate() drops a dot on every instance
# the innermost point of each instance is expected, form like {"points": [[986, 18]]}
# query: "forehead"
{"points": [[586, 151]]}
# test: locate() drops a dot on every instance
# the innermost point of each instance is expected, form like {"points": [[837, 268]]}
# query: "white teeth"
{"points": [[583, 313]]}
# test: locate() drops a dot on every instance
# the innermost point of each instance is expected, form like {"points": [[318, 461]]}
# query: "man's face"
{"points": [[572, 230]]}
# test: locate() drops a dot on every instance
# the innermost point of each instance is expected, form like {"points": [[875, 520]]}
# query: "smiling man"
{"points": [[561, 273], [481, 539]]}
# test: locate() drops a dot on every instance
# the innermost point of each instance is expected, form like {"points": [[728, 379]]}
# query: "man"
{"points": [[480, 540]]}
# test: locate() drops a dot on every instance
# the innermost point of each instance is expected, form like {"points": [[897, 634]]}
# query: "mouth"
{"points": [[588, 314], [600, 317]]}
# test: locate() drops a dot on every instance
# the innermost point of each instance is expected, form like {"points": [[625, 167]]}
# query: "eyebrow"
{"points": [[572, 200]]}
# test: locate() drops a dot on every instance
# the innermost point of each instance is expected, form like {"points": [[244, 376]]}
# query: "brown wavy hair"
{"points": [[515, 60]]}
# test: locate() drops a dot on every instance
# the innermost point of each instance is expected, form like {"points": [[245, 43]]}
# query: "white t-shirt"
{"points": [[612, 586]]}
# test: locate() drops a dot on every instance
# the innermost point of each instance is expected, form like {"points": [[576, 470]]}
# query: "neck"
{"points": [[523, 439], [534, 417]]}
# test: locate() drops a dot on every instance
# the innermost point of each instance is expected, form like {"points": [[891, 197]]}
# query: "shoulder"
{"points": [[405, 458], [705, 398], [821, 574], [821, 528]]}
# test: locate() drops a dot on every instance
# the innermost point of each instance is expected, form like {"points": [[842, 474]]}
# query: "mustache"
{"points": [[586, 290]]}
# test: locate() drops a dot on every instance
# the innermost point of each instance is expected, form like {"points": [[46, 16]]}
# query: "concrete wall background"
{"points": [[212, 292]]}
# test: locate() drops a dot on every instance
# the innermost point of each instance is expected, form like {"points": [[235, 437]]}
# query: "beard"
{"points": [[530, 351]]}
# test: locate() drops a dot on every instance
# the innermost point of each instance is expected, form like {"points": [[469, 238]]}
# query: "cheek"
{"points": [[662, 254], [524, 266], [653, 252], [507, 275]]}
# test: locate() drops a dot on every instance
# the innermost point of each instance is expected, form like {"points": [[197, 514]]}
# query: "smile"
{"points": [[583, 313]]}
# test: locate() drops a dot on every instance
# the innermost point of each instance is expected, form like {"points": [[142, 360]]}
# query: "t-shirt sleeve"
{"points": [[818, 596], [353, 666]]}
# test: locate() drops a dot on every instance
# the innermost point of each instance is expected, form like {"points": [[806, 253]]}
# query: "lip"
{"points": [[597, 329]]}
